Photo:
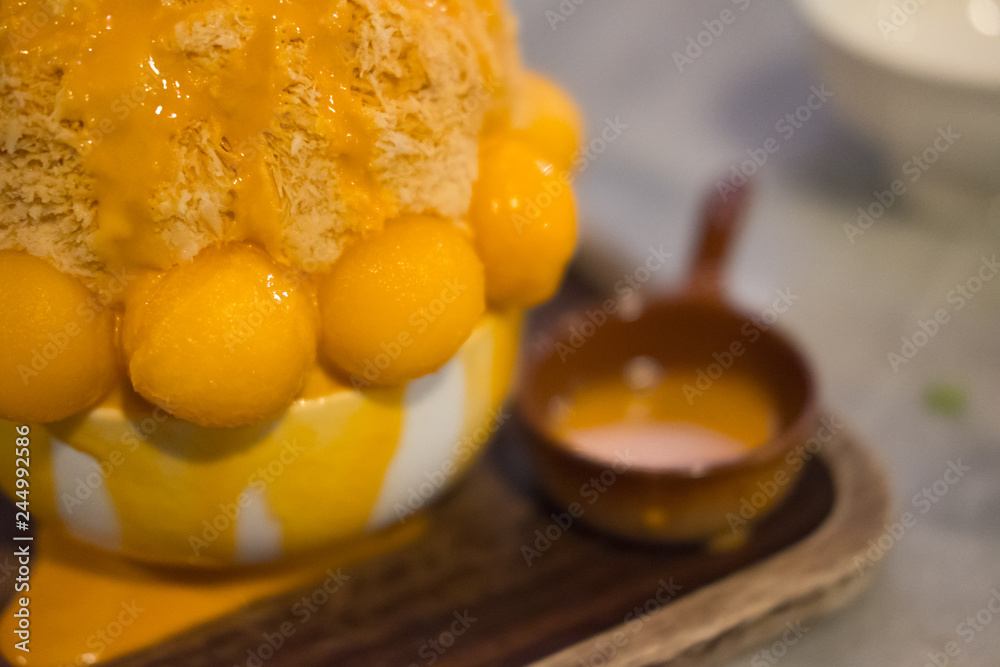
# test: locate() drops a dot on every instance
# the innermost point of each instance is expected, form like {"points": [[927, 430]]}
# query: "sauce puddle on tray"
{"points": [[655, 415]]}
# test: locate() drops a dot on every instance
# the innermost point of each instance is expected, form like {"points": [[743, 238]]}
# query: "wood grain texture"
{"points": [[573, 598]]}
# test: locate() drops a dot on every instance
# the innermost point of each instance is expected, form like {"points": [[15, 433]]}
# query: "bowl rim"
{"points": [[838, 35]]}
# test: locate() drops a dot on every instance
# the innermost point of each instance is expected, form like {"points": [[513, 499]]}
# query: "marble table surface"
{"points": [[681, 127]]}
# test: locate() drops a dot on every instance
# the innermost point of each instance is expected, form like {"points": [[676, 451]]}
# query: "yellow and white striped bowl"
{"points": [[338, 463]]}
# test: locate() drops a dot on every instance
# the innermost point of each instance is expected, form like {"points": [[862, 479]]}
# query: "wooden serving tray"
{"points": [[579, 597]]}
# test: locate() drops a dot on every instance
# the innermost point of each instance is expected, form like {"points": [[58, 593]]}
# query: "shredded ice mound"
{"points": [[137, 137]]}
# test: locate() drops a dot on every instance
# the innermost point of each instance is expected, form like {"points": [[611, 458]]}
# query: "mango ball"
{"points": [[223, 340], [399, 304], [524, 221], [549, 120], [57, 342]]}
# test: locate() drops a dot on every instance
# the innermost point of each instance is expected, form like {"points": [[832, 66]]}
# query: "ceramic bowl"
{"points": [[715, 502], [921, 80]]}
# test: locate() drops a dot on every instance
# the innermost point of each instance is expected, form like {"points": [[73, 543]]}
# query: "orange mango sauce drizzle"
{"points": [[665, 426], [136, 93], [89, 607], [310, 438]]}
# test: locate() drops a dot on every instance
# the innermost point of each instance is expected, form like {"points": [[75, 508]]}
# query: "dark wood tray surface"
{"points": [[571, 601]]}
